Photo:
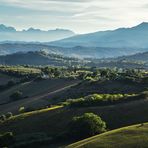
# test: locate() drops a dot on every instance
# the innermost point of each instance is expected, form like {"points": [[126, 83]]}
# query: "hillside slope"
{"points": [[138, 60], [129, 137], [77, 51], [34, 93], [38, 58], [143, 57], [54, 123]]}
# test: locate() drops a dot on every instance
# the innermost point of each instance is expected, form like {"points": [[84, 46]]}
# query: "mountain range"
{"points": [[33, 35], [135, 37], [102, 44]]}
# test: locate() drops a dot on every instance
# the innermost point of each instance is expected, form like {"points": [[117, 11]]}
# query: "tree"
{"points": [[86, 125]]}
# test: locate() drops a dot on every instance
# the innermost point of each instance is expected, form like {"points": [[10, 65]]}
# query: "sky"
{"points": [[81, 16]]}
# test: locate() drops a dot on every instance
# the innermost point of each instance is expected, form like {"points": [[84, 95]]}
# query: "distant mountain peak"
{"points": [[143, 25], [4, 28], [33, 34], [31, 29]]}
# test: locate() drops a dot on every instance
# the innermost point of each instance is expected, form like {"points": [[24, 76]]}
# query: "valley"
{"points": [[59, 89]]}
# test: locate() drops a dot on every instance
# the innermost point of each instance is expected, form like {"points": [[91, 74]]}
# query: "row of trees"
{"points": [[84, 73], [104, 99]]}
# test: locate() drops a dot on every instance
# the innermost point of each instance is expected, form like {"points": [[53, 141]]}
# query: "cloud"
{"points": [[79, 15]]}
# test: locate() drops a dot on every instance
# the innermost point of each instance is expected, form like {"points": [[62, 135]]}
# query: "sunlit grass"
{"points": [[23, 115], [131, 136]]}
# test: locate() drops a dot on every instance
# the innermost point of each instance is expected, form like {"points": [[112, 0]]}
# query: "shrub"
{"points": [[16, 96], [144, 95], [9, 114], [86, 125], [22, 109], [97, 99], [2, 117]]}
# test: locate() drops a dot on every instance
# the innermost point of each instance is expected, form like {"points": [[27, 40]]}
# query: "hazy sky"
{"points": [[80, 16]]}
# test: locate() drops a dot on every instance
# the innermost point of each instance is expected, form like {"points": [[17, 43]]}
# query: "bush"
{"points": [[16, 96], [2, 117], [9, 114], [86, 125], [144, 95], [22, 109], [97, 100]]}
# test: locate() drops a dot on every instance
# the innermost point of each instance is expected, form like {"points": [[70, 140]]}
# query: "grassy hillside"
{"points": [[54, 122], [129, 137], [32, 90], [103, 87], [37, 116]]}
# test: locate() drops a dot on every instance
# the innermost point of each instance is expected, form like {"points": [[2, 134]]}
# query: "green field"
{"points": [[135, 136]]}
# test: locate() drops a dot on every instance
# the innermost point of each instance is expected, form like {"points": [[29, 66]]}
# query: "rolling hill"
{"points": [[44, 118], [78, 51], [53, 122], [124, 86], [141, 57], [135, 37], [139, 60], [129, 137], [33, 94], [38, 58]]}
